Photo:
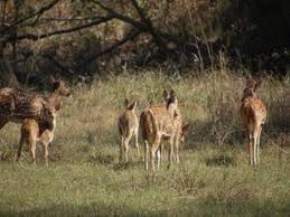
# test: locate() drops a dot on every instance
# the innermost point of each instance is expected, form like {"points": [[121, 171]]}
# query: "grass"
{"points": [[84, 177]]}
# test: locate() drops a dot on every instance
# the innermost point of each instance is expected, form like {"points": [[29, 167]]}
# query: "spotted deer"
{"points": [[162, 123], [18, 104], [33, 132], [128, 126], [42, 131], [253, 113], [182, 131]]}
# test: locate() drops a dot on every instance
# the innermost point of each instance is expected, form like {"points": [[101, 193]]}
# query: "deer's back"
{"points": [[16, 104], [127, 121], [253, 110], [29, 130], [167, 122]]}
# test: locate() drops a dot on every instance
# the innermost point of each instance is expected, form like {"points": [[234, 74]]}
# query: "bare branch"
{"points": [[130, 36], [30, 16], [149, 25], [144, 26], [136, 24], [30, 36], [140, 11], [64, 69], [65, 19]]}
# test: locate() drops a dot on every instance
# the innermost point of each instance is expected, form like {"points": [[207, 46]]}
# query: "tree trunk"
{"points": [[7, 75]]}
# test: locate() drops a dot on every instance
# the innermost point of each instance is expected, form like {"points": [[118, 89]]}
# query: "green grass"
{"points": [[84, 177]]}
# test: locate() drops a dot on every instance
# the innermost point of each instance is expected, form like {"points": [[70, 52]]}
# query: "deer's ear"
{"points": [[51, 79], [258, 83], [53, 82], [250, 82], [126, 102], [57, 106], [132, 106], [166, 95], [172, 93], [172, 98], [55, 85], [185, 127]]}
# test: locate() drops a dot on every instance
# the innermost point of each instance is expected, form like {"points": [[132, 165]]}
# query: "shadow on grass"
{"points": [[128, 165], [94, 210], [110, 160], [207, 132], [221, 160], [101, 158], [184, 207]]}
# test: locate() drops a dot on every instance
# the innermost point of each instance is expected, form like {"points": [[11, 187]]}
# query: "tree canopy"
{"points": [[83, 37]]}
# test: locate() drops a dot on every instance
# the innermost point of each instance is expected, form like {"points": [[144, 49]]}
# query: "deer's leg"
{"points": [[22, 140], [158, 157], [153, 151], [45, 146], [251, 154], [126, 145], [152, 156], [137, 142], [259, 144], [32, 149], [255, 150], [256, 143], [146, 153], [177, 149], [170, 152], [121, 153]]}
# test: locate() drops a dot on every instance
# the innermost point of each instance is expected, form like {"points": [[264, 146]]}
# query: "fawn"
{"points": [[128, 126], [253, 113], [162, 122], [34, 131]]}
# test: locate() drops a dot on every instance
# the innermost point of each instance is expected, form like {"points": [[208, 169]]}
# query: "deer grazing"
{"points": [[128, 126], [162, 123], [253, 113], [42, 131]]}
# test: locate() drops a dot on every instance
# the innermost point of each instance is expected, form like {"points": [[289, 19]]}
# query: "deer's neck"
{"points": [[54, 99], [248, 93]]}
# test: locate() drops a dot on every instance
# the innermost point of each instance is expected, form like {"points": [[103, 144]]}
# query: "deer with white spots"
{"points": [[128, 126], [253, 113]]}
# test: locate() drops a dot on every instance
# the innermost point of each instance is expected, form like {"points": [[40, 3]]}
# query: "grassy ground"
{"points": [[213, 179]]}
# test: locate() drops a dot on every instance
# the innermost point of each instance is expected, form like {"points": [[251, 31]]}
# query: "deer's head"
{"points": [[59, 87], [130, 106], [184, 132], [251, 87], [170, 98]]}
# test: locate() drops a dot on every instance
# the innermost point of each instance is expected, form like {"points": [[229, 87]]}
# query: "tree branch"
{"points": [[65, 19], [130, 36], [30, 36], [64, 69], [37, 13], [140, 11], [149, 25], [126, 19], [144, 26]]}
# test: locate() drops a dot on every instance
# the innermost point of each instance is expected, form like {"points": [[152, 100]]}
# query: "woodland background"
{"points": [[80, 39], [111, 50]]}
